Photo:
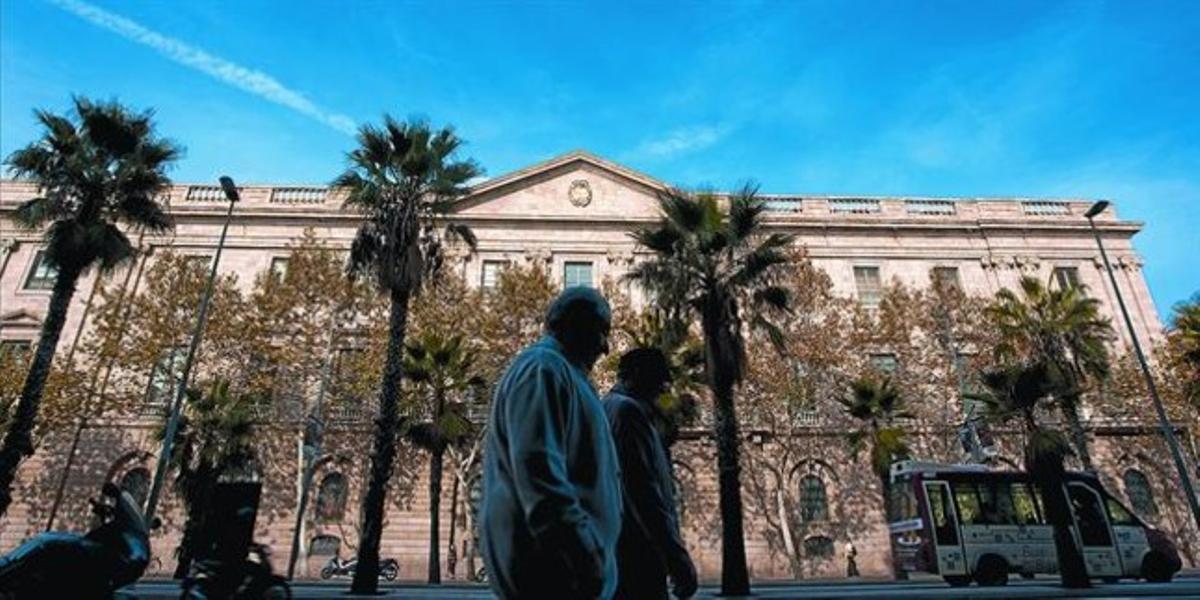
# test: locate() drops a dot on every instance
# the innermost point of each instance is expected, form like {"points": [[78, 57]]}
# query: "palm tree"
{"points": [[714, 263], [1062, 329], [215, 437], [443, 368], [877, 404], [403, 178], [1015, 392], [1183, 342], [103, 169]]}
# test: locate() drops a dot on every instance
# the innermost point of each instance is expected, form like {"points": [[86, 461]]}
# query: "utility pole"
{"points": [[1164, 423], [164, 457]]}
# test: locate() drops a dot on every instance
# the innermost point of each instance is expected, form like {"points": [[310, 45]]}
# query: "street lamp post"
{"points": [[160, 471], [314, 429], [1168, 430]]}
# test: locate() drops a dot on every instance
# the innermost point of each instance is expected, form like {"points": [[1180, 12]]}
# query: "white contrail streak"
{"points": [[255, 82]]}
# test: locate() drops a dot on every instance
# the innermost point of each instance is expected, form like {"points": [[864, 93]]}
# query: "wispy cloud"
{"points": [[256, 82], [679, 141]]}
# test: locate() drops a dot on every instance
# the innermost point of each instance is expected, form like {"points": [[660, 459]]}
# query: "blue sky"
{"points": [[1091, 99]]}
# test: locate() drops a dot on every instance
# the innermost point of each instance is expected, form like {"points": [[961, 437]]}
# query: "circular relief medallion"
{"points": [[580, 193]]}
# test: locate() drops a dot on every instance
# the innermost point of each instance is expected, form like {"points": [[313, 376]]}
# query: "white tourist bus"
{"points": [[969, 523]]}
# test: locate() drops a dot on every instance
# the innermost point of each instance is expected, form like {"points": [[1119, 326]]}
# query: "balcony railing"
{"points": [[929, 207], [788, 204], [298, 195], [855, 206], [204, 193], [1045, 208]]}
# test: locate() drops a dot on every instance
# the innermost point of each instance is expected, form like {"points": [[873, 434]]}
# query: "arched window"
{"points": [[137, 482], [1141, 497], [818, 546], [331, 498], [813, 504]]}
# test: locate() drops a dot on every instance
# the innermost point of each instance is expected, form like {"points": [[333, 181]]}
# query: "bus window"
{"points": [[1025, 508], [944, 530], [903, 502], [996, 503], [1093, 529], [967, 499], [1118, 514]]}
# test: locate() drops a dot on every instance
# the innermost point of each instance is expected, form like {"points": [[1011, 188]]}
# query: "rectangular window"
{"points": [[577, 273], [489, 274], [946, 278], [200, 260], [966, 498], [1025, 505], [941, 513], [164, 377], [884, 363], [42, 274], [1066, 277], [279, 266], [869, 285]]}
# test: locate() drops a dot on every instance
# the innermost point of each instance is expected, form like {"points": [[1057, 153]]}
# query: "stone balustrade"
{"points": [[780, 206]]}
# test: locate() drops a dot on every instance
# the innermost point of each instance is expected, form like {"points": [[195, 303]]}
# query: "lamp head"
{"points": [[230, 189], [1096, 209]]}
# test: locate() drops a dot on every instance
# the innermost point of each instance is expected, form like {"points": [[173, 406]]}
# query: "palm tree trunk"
{"points": [[1049, 474], [366, 575], [451, 550], [1070, 410], [199, 499], [735, 577], [18, 441], [435, 505]]}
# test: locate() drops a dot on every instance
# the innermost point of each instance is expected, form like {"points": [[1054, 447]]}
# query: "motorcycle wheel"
{"points": [[389, 572], [326, 572]]}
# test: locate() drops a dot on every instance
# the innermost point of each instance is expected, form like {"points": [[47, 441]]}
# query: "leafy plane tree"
{"points": [[717, 263], [97, 170], [403, 178]]}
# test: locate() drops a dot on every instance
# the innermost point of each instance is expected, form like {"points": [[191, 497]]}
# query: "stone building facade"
{"points": [[572, 214]]}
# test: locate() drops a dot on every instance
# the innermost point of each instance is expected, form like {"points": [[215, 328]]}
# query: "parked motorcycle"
{"points": [[388, 568], [250, 579], [68, 565]]}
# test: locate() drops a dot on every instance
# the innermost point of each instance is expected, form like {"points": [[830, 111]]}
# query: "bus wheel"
{"points": [[957, 580], [1155, 568], [991, 571]]}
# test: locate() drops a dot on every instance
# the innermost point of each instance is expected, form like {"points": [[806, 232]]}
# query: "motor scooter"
{"points": [[58, 564], [336, 567]]}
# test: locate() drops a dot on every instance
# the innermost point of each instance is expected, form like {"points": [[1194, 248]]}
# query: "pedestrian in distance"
{"points": [[551, 512], [650, 550]]}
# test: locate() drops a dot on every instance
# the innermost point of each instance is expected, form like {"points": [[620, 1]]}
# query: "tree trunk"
{"points": [[18, 441], [195, 529], [366, 575], [1070, 410], [735, 577], [1049, 474], [435, 504], [451, 550]]}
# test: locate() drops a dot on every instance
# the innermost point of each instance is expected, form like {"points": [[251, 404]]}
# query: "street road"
{"points": [[1182, 587]]}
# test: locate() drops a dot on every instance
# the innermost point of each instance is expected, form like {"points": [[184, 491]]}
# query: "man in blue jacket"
{"points": [[650, 549], [551, 510]]}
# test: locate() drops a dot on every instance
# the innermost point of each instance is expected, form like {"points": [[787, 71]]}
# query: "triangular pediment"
{"points": [[21, 319], [576, 185]]}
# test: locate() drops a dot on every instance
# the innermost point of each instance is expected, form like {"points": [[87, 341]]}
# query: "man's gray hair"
{"points": [[577, 302]]}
